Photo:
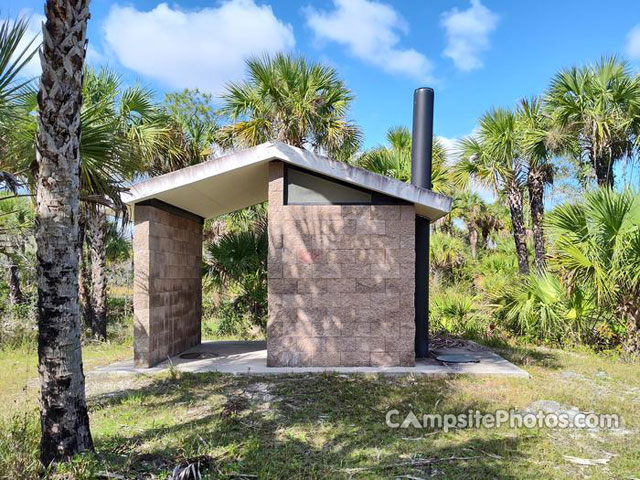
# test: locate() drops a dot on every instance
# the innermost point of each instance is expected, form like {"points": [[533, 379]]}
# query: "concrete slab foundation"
{"points": [[250, 358]]}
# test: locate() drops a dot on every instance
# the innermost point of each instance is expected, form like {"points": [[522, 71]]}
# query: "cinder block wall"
{"points": [[341, 283], [167, 292]]}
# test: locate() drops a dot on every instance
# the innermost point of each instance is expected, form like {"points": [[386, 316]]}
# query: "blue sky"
{"points": [[476, 54]]}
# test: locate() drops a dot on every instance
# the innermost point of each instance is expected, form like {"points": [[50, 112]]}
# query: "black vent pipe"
{"points": [[421, 153]]}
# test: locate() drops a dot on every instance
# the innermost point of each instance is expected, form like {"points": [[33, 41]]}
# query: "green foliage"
{"points": [[192, 124], [291, 100], [20, 446], [118, 244], [18, 325], [455, 312], [542, 308], [394, 160], [599, 107], [596, 244], [236, 266], [448, 255]]}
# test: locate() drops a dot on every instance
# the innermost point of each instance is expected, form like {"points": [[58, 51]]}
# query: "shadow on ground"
{"points": [[311, 426]]}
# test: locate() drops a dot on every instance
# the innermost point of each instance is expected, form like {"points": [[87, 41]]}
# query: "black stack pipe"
{"points": [[421, 152]]}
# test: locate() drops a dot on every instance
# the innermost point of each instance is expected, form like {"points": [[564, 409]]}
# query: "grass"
{"points": [[332, 426]]}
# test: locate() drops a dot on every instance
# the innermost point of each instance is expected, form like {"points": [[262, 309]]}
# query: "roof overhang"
{"points": [[240, 179]]}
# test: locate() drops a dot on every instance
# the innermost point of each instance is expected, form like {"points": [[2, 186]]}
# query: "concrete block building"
{"points": [[341, 260]]}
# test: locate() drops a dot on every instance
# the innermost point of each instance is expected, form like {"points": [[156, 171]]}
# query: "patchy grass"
{"points": [[333, 426], [19, 371]]}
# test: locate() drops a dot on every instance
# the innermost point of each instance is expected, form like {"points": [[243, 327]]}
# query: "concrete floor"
{"points": [[250, 357]]}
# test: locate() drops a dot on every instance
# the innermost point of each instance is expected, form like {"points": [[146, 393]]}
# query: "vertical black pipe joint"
{"points": [[421, 157]]}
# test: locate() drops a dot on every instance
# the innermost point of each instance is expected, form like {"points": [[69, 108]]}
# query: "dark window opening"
{"points": [[305, 188]]}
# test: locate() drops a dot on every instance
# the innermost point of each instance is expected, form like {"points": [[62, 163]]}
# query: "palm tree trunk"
{"points": [[473, 241], [97, 223], [535, 183], [604, 170], [84, 279], [63, 409], [15, 292], [514, 196]]}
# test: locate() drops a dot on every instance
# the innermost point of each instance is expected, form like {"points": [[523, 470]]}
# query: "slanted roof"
{"points": [[240, 179]]}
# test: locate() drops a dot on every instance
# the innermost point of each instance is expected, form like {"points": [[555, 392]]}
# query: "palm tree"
{"points": [[541, 140], [447, 255], [597, 247], [64, 419], [543, 308], [394, 160], [192, 126], [293, 101], [493, 158], [121, 131], [478, 217], [236, 261], [600, 106], [12, 91]]}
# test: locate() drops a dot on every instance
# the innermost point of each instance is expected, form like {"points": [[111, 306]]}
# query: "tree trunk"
{"points": [[535, 183], [15, 292], [473, 241], [484, 235], [97, 223], [84, 286], [63, 409], [601, 159], [604, 170], [514, 196]]}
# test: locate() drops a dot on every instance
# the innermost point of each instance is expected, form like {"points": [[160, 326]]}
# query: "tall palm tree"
{"points": [[64, 419], [394, 159], [541, 140], [121, 130], [493, 158], [600, 106], [288, 99]]}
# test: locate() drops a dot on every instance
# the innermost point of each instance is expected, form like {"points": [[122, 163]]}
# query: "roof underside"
{"points": [[240, 179]]}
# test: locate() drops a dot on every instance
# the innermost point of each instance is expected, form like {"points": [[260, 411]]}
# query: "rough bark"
{"points": [[604, 170], [473, 241], [97, 230], [514, 197], [84, 279], [63, 410], [15, 292], [535, 184]]}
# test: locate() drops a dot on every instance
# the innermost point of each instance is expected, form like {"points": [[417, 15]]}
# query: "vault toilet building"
{"points": [[342, 283]]}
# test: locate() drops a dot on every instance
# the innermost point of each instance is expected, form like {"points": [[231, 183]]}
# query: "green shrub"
{"points": [[455, 312], [18, 325], [19, 446], [541, 308]]}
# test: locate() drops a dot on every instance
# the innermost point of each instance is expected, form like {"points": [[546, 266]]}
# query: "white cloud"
{"points": [[467, 33], [202, 48], [633, 42], [371, 31], [449, 145]]}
